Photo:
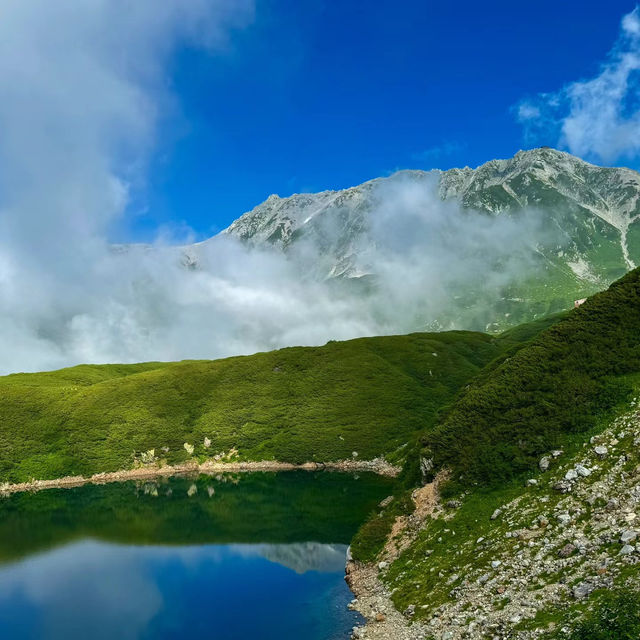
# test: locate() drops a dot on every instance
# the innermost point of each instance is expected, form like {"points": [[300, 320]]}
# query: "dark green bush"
{"points": [[560, 383], [617, 617]]}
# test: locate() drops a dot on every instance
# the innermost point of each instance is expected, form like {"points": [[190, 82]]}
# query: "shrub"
{"points": [[558, 384], [617, 617]]}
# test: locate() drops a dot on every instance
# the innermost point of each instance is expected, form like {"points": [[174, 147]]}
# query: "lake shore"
{"points": [[372, 595], [377, 465], [373, 602]]}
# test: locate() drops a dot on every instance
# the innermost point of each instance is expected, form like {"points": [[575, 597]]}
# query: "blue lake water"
{"points": [[235, 557]]}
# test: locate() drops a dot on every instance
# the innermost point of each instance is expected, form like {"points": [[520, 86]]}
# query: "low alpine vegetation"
{"points": [[362, 398]]}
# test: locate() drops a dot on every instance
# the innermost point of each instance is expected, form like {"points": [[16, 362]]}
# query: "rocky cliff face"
{"points": [[595, 209]]}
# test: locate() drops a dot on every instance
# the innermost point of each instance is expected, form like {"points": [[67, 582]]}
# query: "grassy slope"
{"points": [[369, 395], [420, 575], [559, 384], [562, 386]]}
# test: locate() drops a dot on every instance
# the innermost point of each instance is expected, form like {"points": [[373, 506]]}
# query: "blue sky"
{"points": [[318, 95], [149, 121]]}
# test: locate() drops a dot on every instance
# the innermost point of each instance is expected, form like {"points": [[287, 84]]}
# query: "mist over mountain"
{"points": [[595, 209], [480, 249], [503, 243]]}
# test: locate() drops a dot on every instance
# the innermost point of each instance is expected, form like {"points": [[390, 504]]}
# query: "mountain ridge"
{"points": [[277, 220]]}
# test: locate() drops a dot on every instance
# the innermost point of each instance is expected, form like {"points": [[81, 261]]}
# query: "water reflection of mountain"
{"points": [[98, 590], [263, 509], [303, 556]]}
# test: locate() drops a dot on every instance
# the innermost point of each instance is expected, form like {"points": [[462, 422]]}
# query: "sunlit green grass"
{"points": [[370, 396]]}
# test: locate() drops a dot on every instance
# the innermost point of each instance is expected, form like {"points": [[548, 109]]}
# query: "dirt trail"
{"points": [[373, 600], [405, 528]]}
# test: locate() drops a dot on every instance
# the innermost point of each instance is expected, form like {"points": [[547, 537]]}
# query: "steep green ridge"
{"points": [[512, 553], [560, 378], [370, 396], [559, 384]]}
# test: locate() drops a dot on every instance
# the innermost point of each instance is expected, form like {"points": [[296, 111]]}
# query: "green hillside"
{"points": [[529, 533], [370, 395], [559, 384]]}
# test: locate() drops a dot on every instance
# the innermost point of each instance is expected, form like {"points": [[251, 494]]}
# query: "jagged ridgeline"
{"points": [[559, 385], [366, 397], [575, 229]]}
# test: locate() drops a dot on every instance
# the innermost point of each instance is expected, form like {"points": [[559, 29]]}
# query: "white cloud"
{"points": [[631, 24], [528, 111], [82, 88], [597, 118]]}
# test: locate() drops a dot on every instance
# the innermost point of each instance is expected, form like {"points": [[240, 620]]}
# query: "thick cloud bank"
{"points": [[433, 261], [83, 86]]}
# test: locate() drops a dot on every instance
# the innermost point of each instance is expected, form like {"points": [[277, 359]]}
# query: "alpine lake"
{"points": [[226, 557]]}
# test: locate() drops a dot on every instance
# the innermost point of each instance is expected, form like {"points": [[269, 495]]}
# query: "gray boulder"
{"points": [[582, 590], [628, 536]]}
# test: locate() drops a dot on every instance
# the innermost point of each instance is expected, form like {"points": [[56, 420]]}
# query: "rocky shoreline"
{"points": [[572, 530], [373, 601], [377, 465], [373, 598]]}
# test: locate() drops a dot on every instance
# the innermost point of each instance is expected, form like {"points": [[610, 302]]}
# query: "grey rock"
{"points": [[628, 536], [582, 590], [572, 474], [495, 564], [601, 451], [583, 471], [544, 463], [426, 466], [410, 610], [496, 514], [626, 550]]}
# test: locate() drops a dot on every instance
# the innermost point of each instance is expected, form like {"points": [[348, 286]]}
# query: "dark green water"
{"points": [[256, 555]]}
